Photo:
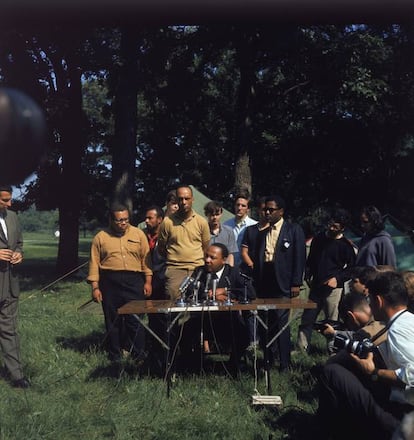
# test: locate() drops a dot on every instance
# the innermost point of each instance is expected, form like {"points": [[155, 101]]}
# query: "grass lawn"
{"points": [[74, 396]]}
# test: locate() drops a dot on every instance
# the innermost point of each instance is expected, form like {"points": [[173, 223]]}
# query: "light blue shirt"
{"points": [[238, 231], [398, 354]]}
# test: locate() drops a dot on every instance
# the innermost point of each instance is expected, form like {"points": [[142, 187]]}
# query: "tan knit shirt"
{"points": [[127, 252], [184, 240]]}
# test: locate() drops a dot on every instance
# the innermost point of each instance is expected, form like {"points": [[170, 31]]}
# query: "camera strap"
{"points": [[387, 326]]}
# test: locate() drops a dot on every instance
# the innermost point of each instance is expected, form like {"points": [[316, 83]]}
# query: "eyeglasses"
{"points": [[271, 210], [335, 225], [121, 220]]}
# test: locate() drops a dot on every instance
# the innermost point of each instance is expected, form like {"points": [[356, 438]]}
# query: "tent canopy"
{"points": [[198, 205], [403, 240], [200, 200]]}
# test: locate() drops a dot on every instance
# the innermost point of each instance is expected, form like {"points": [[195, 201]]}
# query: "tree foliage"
{"points": [[321, 114]]}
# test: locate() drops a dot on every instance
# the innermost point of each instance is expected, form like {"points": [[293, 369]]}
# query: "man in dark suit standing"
{"points": [[11, 254], [278, 271]]}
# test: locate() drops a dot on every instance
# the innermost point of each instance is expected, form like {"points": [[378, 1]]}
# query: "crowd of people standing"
{"points": [[276, 258]]}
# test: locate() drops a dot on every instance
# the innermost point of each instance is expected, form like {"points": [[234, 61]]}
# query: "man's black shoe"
{"points": [[21, 383]]}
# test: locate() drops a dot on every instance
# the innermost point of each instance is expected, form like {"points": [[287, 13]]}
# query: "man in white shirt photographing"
{"points": [[374, 396]]}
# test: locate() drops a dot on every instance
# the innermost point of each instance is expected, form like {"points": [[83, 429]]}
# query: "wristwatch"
{"points": [[374, 375]]}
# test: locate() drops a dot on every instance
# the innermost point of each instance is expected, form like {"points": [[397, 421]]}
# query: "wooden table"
{"points": [[169, 308]]}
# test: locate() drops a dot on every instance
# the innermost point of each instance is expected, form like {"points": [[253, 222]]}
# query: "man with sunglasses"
{"points": [[280, 255], [11, 254], [119, 272]]}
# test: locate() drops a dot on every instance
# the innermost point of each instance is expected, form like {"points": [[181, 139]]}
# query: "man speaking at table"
{"points": [[226, 330]]}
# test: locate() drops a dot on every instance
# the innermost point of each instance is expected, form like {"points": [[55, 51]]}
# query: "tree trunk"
{"points": [[245, 57], [124, 151], [71, 178]]}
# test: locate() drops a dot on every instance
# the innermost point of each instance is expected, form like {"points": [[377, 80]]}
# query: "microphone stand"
{"points": [[195, 301], [212, 301], [181, 302], [228, 301], [245, 299], [206, 286]]}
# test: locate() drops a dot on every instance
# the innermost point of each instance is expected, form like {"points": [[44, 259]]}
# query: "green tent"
{"points": [[403, 238], [198, 205]]}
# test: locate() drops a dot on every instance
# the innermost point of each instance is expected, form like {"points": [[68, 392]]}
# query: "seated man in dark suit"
{"points": [[226, 329]]}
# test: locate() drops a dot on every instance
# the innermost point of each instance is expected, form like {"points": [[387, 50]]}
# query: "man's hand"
{"points": [[328, 331], [332, 283], [147, 289], [294, 291], [16, 258], [6, 254], [221, 294], [97, 295], [367, 365]]}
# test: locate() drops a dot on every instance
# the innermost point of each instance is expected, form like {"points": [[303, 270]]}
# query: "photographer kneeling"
{"points": [[364, 399], [356, 324]]}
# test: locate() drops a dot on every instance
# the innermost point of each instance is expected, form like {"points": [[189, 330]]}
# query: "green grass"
{"points": [[73, 395]]}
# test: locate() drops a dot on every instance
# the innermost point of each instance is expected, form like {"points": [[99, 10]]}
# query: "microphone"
{"points": [[198, 276], [208, 280], [228, 282], [246, 277], [185, 283], [245, 299]]}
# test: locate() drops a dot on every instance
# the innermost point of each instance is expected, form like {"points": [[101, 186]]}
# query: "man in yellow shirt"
{"points": [[119, 271], [183, 239]]}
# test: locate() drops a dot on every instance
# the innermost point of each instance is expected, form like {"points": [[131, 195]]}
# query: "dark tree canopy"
{"points": [[320, 113]]}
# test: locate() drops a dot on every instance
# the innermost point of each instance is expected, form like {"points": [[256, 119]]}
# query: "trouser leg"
{"points": [[173, 278], [9, 339], [309, 316], [343, 398], [331, 304], [282, 345]]}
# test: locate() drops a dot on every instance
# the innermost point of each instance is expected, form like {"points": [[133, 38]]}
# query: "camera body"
{"points": [[359, 348], [320, 326]]}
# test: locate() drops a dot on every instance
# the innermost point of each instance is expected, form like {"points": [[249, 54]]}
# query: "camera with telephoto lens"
{"points": [[320, 326], [359, 348]]}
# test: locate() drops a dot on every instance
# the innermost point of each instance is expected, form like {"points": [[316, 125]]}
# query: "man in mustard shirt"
{"points": [[183, 239], [119, 271]]}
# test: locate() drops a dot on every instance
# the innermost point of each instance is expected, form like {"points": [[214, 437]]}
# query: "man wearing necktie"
{"points": [[11, 254], [224, 329], [280, 256]]}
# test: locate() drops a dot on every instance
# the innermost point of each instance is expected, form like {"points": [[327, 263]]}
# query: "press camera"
{"points": [[359, 348], [320, 326]]}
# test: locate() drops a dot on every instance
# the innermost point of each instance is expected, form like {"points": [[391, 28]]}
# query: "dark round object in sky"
{"points": [[22, 136]]}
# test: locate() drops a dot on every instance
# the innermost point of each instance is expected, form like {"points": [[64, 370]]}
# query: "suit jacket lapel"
{"points": [[2, 235]]}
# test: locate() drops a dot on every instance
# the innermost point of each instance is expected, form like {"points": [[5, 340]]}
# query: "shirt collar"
{"points": [[278, 224], [220, 272]]}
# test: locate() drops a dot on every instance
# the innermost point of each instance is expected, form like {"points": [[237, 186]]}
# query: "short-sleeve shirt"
{"points": [[238, 231], [184, 240], [226, 237]]}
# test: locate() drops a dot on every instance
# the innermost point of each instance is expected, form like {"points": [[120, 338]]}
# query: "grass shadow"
{"points": [[83, 344], [297, 424]]}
